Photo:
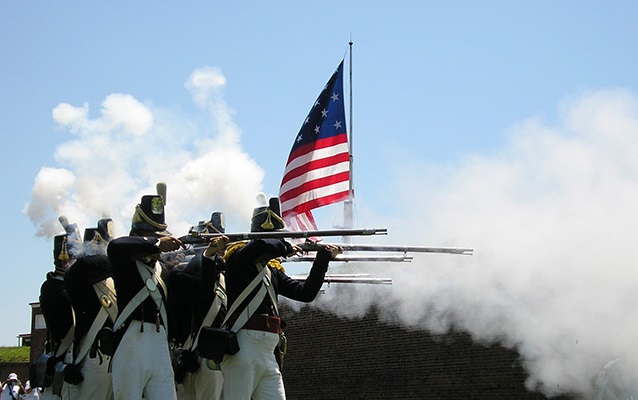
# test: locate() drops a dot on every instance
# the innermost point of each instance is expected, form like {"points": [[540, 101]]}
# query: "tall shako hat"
{"points": [[267, 218], [72, 230], [66, 245], [96, 239], [149, 215], [105, 228], [103, 232], [91, 234], [217, 224]]}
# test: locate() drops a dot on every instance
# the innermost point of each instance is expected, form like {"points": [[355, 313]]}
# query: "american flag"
{"points": [[318, 171]]}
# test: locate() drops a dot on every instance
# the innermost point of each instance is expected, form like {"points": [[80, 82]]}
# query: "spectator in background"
{"points": [[12, 388], [30, 392]]}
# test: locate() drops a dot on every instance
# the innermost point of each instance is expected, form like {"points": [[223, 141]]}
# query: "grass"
{"points": [[14, 354]]}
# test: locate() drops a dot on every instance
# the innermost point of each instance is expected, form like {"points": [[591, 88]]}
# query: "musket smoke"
{"points": [[551, 218], [118, 156]]}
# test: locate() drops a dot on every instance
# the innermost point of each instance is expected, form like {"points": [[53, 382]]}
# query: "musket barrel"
{"points": [[398, 249], [350, 278], [194, 237], [370, 281], [349, 258]]}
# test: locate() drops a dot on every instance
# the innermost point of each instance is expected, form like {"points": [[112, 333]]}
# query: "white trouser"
{"points": [[96, 384], [253, 372], [142, 365], [204, 384], [47, 394]]}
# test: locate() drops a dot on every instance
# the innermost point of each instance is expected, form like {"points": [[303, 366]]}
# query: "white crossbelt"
{"points": [[212, 311], [264, 278], [102, 288], [149, 289]]}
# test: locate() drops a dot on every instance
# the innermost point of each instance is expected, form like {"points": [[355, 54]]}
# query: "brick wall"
{"points": [[20, 368], [38, 331], [333, 358], [38, 334]]}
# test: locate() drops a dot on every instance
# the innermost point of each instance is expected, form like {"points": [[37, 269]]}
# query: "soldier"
{"points": [[253, 372], [90, 288], [199, 378], [56, 305], [141, 365]]}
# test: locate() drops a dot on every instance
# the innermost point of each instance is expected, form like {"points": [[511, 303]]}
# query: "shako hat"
{"points": [[61, 248], [149, 217], [90, 234], [217, 224], [71, 229], [267, 218], [218, 221], [63, 252], [93, 244], [105, 228]]}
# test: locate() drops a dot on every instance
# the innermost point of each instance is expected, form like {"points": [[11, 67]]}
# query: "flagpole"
{"points": [[348, 219]]}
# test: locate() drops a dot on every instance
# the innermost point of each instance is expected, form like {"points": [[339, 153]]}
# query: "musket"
{"points": [[311, 246], [354, 258], [199, 238], [349, 278]]}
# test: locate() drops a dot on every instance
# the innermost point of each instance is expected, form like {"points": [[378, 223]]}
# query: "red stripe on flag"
{"points": [[313, 165], [314, 184], [304, 221], [318, 145], [316, 203]]}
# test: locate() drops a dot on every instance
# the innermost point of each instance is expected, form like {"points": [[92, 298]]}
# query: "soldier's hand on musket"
{"points": [[216, 245], [296, 250], [170, 243], [333, 249]]}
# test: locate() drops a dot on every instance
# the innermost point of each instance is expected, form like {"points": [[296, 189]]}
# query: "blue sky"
{"points": [[469, 117]]}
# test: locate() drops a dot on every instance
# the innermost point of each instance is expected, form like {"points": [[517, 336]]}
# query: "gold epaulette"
{"points": [[274, 263]]}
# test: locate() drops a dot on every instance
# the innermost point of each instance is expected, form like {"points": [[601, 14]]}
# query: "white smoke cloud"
{"points": [[119, 155], [119, 112], [552, 219], [49, 195]]}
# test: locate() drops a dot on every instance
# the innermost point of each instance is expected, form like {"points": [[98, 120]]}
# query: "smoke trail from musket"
{"points": [[119, 155], [552, 219]]}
